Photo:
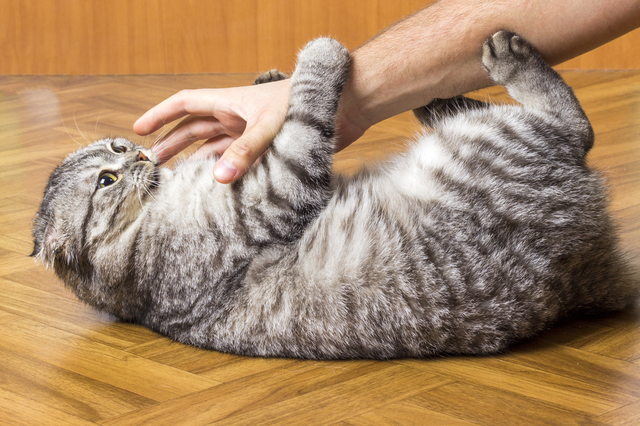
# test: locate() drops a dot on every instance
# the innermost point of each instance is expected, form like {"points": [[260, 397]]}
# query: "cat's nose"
{"points": [[142, 157]]}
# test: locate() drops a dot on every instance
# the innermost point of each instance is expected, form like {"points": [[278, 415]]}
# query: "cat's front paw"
{"points": [[325, 54], [504, 54]]}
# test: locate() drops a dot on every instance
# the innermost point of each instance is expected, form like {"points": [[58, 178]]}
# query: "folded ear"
{"points": [[49, 240]]}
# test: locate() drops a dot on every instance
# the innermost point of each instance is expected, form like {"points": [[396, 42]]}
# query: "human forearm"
{"points": [[431, 54], [434, 53]]}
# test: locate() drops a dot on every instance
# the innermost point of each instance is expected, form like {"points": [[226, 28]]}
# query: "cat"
{"points": [[487, 231]]}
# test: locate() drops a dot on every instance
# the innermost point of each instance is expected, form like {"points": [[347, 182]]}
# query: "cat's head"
{"points": [[95, 194]]}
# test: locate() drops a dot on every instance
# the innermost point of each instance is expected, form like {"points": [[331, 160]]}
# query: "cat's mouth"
{"points": [[146, 177], [157, 173]]}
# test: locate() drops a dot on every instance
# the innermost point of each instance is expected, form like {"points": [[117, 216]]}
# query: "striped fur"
{"points": [[488, 230]]}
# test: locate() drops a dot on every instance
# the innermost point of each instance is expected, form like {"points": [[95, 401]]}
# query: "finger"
{"points": [[214, 147], [194, 102], [188, 131], [242, 153]]}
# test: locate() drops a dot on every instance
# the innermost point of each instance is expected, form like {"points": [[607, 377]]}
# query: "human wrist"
{"points": [[375, 93]]}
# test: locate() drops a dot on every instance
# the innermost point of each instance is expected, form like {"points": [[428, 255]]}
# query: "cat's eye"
{"points": [[118, 149], [106, 179]]}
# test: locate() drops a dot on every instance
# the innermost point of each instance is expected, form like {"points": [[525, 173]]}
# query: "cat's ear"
{"points": [[49, 241]]}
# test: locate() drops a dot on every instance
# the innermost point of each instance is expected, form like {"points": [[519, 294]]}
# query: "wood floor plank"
{"points": [[218, 366], [11, 261], [531, 383], [233, 367], [604, 372], [9, 242], [65, 391], [336, 402], [69, 315], [7, 317], [99, 362], [621, 342], [42, 279], [493, 407], [255, 394], [629, 415], [16, 410], [404, 413]]}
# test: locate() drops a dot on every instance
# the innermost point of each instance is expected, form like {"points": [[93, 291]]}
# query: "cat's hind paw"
{"points": [[506, 53]]}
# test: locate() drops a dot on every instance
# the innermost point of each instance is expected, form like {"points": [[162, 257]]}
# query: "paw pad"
{"points": [[503, 53]]}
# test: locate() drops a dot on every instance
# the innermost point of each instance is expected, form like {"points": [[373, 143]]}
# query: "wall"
{"points": [[201, 36]]}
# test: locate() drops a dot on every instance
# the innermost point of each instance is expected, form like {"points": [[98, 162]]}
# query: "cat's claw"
{"points": [[504, 54]]}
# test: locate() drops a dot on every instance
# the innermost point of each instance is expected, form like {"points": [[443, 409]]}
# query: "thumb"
{"points": [[242, 153]]}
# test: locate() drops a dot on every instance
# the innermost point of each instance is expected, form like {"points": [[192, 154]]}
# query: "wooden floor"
{"points": [[63, 363]]}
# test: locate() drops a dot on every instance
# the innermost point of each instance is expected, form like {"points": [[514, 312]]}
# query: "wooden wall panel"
{"points": [[202, 36], [621, 53], [127, 37]]}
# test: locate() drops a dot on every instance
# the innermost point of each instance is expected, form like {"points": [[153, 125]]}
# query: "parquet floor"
{"points": [[62, 363]]}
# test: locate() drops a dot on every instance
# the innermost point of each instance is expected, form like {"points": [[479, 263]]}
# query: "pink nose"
{"points": [[142, 157]]}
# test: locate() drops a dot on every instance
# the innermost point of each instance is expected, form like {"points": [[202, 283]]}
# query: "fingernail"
{"points": [[224, 171]]}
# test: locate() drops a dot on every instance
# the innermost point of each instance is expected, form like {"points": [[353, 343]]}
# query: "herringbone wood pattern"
{"points": [[64, 363]]}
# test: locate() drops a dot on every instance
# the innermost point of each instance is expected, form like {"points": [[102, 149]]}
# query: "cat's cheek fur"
{"points": [[165, 174]]}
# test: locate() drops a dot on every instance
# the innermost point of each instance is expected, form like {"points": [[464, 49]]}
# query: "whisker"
{"points": [[140, 198], [163, 132], [95, 130], [146, 183], [168, 143], [74, 120], [69, 134], [151, 195]]}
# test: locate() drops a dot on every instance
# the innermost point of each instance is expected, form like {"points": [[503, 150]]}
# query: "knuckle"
{"points": [[242, 148], [184, 93], [189, 134], [183, 96]]}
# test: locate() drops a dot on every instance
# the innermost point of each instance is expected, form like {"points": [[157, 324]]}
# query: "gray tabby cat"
{"points": [[486, 232]]}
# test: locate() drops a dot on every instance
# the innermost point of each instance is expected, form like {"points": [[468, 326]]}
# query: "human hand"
{"points": [[237, 123]]}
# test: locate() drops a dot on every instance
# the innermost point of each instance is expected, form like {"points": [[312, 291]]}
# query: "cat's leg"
{"points": [[269, 76], [291, 184], [439, 109], [512, 62], [301, 156]]}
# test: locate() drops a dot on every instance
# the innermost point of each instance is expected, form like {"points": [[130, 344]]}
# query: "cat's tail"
{"points": [[625, 291], [614, 280]]}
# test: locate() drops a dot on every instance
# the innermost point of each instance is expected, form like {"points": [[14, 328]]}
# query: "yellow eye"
{"points": [[118, 149], [107, 179]]}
